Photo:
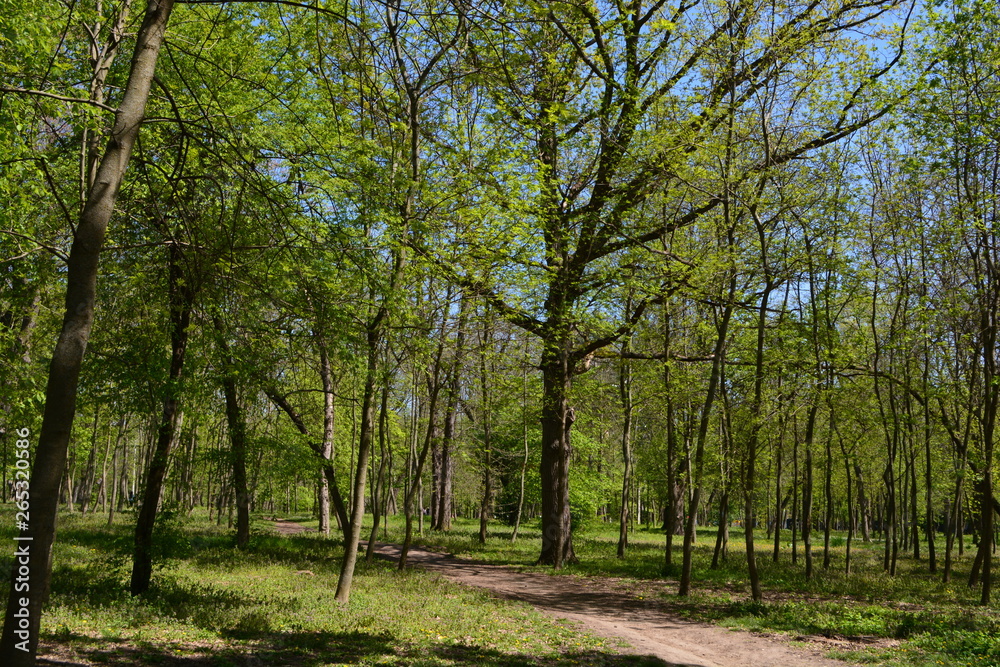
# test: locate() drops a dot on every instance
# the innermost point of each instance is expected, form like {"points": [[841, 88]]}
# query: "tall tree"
{"points": [[601, 94], [18, 647]]}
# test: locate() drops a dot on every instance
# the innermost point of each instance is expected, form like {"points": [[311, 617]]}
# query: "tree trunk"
{"points": [[443, 496], [486, 502], [750, 471], [378, 491], [684, 586], [18, 645], [807, 491], [779, 504], [524, 436], [182, 295], [352, 534], [954, 521], [90, 473], [625, 393], [864, 511], [236, 421], [828, 491], [851, 515], [796, 483], [445, 491], [557, 421], [722, 534], [670, 519]]}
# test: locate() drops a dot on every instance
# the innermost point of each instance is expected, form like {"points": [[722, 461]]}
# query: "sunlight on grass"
{"points": [[909, 619], [275, 602]]}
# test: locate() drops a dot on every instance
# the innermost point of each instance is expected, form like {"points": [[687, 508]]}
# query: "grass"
{"points": [[273, 604], [869, 617]]}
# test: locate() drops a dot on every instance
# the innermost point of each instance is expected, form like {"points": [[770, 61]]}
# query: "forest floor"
{"points": [[487, 604], [608, 608]]}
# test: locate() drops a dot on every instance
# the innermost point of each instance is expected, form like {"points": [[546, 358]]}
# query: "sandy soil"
{"points": [[603, 609]]}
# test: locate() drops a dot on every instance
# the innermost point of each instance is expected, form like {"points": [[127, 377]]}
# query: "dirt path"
{"points": [[608, 612], [289, 527]]}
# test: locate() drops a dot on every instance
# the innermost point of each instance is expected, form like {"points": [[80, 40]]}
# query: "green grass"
{"points": [[214, 605], [909, 619]]}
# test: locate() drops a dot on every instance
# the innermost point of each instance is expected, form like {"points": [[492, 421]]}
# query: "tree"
{"points": [[602, 96], [17, 646]]}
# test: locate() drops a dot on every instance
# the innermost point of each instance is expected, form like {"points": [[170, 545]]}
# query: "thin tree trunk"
{"points": [[684, 587], [524, 436], [864, 510], [796, 483], [487, 419], [828, 490], [807, 490], [115, 484], [851, 515], [625, 394], [779, 504], [444, 491], [90, 472], [415, 489], [379, 489], [353, 533], [182, 294], [236, 421]]}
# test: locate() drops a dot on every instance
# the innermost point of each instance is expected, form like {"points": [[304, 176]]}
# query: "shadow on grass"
{"points": [[271, 549], [206, 606], [314, 649]]}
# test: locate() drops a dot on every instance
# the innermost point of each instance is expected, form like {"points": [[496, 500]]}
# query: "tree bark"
{"points": [[807, 489], [236, 420], [182, 295], [378, 491], [18, 646], [684, 586], [625, 394], [89, 475], [352, 533], [557, 420]]}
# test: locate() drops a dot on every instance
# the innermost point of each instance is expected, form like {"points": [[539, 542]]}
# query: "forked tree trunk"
{"points": [[19, 645]]}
